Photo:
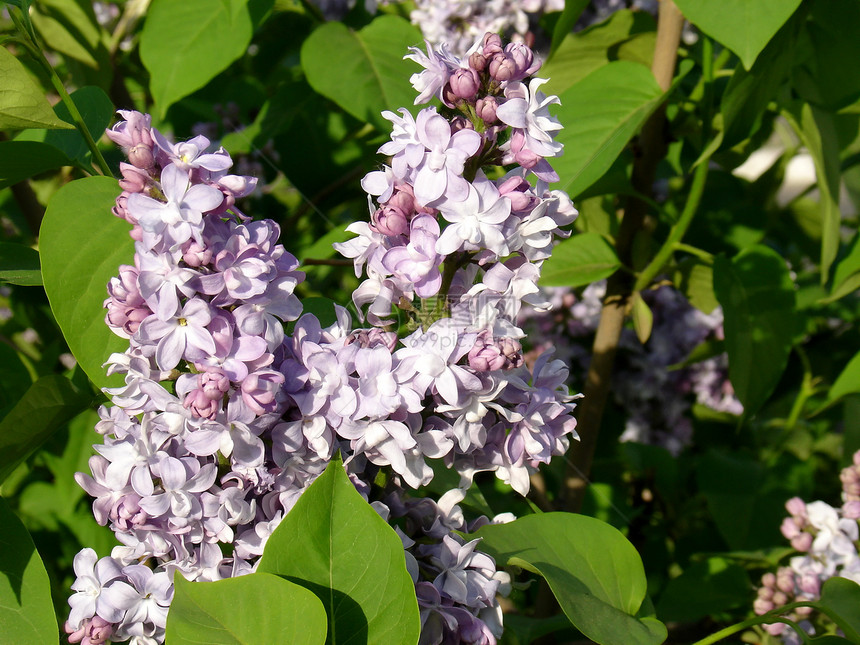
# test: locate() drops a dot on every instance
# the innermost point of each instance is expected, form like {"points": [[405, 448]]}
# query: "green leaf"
{"points": [[22, 102], [333, 543], [582, 259], [96, 110], [840, 600], [19, 264], [363, 71], [817, 129], [594, 572], [322, 308], [749, 92], [77, 264], [322, 248], [847, 382], [695, 280], [572, 11], [703, 589], [49, 403], [70, 27], [600, 114], [643, 319], [623, 33], [15, 379], [757, 295], [824, 79], [744, 26], [184, 45], [21, 160], [257, 608], [845, 276], [26, 610]]}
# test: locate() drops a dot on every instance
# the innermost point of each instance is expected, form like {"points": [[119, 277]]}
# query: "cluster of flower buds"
{"points": [[827, 541], [224, 420]]}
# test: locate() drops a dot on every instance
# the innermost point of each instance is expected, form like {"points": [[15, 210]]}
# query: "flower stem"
{"points": [[26, 30]]}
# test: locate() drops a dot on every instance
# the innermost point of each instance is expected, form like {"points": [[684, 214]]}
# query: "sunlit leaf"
{"points": [[77, 264], [363, 71], [335, 544], [252, 609], [22, 102], [594, 572], [582, 259]]}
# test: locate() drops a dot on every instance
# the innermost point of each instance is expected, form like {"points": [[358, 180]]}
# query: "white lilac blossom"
{"points": [[826, 541], [224, 419]]}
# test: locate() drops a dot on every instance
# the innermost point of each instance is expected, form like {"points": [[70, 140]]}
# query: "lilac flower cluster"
{"points": [[827, 541], [223, 419], [461, 22], [656, 400]]}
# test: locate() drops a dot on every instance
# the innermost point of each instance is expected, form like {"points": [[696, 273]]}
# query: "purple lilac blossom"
{"points": [[254, 415]]}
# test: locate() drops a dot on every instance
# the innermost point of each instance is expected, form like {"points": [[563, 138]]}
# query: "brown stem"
{"points": [[650, 150]]}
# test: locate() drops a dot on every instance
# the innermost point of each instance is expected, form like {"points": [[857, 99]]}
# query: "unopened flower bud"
{"points": [[492, 44], [141, 156], [802, 542], [518, 190], [133, 179], [502, 67], [789, 528], [213, 384], [464, 83], [796, 506], [485, 108], [389, 220], [768, 580], [785, 580], [779, 598], [524, 60], [461, 123], [851, 510], [810, 584], [762, 606], [195, 255], [201, 405], [478, 62]]}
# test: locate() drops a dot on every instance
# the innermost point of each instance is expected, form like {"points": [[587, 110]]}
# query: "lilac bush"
{"points": [[225, 418]]}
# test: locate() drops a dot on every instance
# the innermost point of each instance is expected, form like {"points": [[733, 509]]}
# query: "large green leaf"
{"points": [[824, 79], [363, 71], [840, 599], [624, 35], [22, 102], [257, 608], [749, 92], [594, 572], [19, 264], [26, 610], [22, 159], [48, 403], [81, 246], [334, 543], [600, 114], [695, 280], [96, 110], [569, 16], [744, 26], [582, 259], [184, 45], [70, 27], [757, 295]]}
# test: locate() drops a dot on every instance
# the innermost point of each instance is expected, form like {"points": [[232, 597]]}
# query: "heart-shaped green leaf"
{"points": [[335, 544]]}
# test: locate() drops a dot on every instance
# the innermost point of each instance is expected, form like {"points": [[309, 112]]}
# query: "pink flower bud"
{"points": [[779, 598], [201, 405], [768, 580], [478, 62], [141, 156], [486, 109], [851, 510], [785, 580], [502, 67], [802, 542], [523, 59], [796, 506], [789, 528], [214, 385], [464, 84], [485, 355], [389, 220], [133, 180], [522, 155], [774, 629], [403, 198], [762, 606], [810, 584], [195, 255], [461, 123], [492, 44], [518, 190], [766, 593]]}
